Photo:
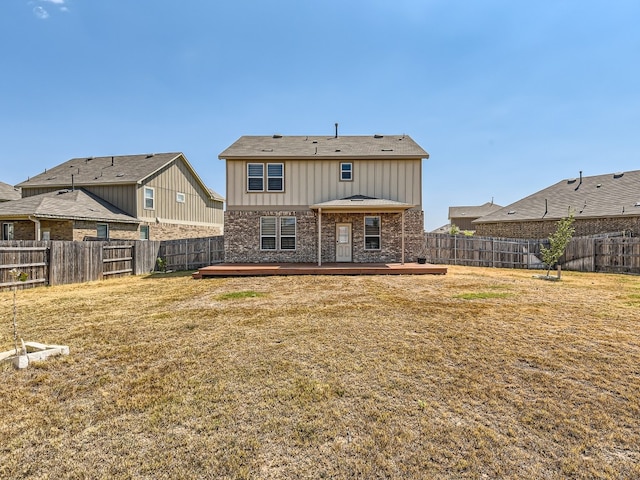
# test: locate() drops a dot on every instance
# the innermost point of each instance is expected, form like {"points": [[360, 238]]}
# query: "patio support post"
{"points": [[402, 255], [319, 237]]}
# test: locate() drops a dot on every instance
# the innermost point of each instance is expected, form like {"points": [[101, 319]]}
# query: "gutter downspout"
{"points": [[319, 237], [37, 224], [402, 256]]}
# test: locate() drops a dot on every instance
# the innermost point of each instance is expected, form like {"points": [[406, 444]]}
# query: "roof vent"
{"points": [[387, 149], [338, 150], [277, 135], [637, 204], [618, 174], [571, 180], [511, 212], [377, 135], [120, 175], [51, 178], [149, 155], [314, 141], [267, 149], [598, 185], [61, 192]]}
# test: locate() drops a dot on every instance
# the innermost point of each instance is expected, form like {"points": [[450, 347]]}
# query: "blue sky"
{"points": [[507, 96]]}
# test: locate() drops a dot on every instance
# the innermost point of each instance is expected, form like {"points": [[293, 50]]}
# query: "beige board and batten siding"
{"points": [[310, 182], [198, 206]]}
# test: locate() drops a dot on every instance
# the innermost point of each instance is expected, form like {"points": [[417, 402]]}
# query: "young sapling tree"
{"points": [[558, 242]]}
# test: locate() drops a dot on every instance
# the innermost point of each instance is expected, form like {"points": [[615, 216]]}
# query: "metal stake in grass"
{"points": [[17, 276]]}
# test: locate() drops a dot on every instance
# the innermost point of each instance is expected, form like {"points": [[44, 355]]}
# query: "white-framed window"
{"points": [[277, 233], [268, 233], [102, 230], [275, 177], [287, 233], [372, 233], [144, 232], [346, 172], [7, 231], [181, 197], [149, 198], [274, 181], [255, 177], [45, 235]]}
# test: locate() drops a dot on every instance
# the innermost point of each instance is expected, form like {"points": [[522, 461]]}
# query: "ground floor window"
{"points": [[144, 232], [102, 230], [7, 231], [372, 233], [277, 233]]}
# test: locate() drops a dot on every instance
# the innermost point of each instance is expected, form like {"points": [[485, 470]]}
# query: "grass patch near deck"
{"points": [[327, 377]]}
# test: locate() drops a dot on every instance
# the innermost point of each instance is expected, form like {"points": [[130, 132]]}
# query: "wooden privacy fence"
{"points": [[58, 262], [192, 253], [611, 254]]}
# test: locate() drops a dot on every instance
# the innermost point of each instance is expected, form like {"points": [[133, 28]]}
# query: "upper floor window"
{"points": [[149, 198], [274, 177], [346, 172], [180, 197], [372, 233]]}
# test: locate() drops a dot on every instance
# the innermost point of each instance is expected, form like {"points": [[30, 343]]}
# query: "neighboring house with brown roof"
{"points": [[8, 192], [324, 199], [600, 204], [152, 196], [463, 217]]}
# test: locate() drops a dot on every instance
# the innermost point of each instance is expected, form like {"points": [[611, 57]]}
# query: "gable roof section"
{"points": [[65, 205], [110, 170], [323, 147], [609, 195], [473, 211], [9, 192]]}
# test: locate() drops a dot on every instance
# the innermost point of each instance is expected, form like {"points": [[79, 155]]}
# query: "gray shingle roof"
{"points": [[65, 204], [473, 211], [102, 170], [110, 170], [8, 192], [323, 147], [609, 195]]}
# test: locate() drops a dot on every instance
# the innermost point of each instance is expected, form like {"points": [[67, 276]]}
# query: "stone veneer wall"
{"points": [[242, 237], [543, 229]]}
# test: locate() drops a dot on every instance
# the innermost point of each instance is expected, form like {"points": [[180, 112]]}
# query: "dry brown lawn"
{"points": [[482, 373]]}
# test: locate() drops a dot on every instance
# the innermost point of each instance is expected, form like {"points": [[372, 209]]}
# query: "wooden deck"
{"points": [[261, 269]]}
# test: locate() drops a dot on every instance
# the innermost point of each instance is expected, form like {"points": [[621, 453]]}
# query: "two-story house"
{"points": [[324, 199], [150, 196]]}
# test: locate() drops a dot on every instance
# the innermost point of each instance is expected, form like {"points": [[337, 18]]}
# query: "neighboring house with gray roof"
{"points": [[8, 192], [63, 215], [151, 196], [324, 199], [601, 204], [463, 217]]}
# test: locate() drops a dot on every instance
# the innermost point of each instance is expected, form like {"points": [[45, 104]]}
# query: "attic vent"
{"points": [[315, 141], [338, 150], [61, 192], [618, 174], [571, 180], [51, 178], [387, 149], [377, 135], [277, 135], [598, 185], [267, 149], [637, 204], [120, 175], [511, 212], [89, 158], [150, 155]]}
